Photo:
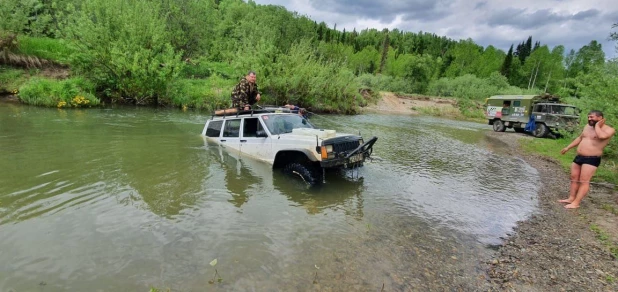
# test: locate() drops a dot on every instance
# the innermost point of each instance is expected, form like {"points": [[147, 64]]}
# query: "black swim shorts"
{"points": [[592, 160]]}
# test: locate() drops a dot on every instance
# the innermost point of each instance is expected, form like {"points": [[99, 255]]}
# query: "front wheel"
{"points": [[302, 171], [541, 130], [499, 126]]}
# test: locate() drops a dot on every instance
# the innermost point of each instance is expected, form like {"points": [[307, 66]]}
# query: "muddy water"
{"points": [[129, 199]]}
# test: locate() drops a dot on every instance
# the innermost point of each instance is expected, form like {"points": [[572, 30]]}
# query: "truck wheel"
{"points": [[302, 171], [499, 126], [540, 131]]}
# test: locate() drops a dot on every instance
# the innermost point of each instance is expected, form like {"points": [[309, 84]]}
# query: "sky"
{"points": [[572, 23]]}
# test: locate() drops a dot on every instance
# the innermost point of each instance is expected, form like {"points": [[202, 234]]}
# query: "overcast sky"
{"points": [[572, 23]]}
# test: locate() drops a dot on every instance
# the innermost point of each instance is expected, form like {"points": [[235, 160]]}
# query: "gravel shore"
{"points": [[558, 249]]}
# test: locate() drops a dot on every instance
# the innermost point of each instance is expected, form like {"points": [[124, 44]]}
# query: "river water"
{"points": [[126, 199]]}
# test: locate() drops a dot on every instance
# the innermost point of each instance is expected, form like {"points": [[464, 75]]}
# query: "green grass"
{"points": [[603, 237], [45, 48], [607, 171], [11, 79], [72, 92]]}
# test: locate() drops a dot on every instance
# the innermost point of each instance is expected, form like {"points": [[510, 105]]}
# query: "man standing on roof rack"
{"points": [[245, 93]]}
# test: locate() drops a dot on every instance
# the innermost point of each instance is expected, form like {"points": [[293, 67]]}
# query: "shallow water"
{"points": [[126, 199]]}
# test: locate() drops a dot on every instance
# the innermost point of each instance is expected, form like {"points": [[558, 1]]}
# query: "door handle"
{"points": [[223, 140], [243, 141]]}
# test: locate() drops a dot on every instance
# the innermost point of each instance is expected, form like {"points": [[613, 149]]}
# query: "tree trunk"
{"points": [[547, 83]]}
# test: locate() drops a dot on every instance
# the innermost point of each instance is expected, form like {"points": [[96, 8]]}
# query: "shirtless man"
{"points": [[590, 146]]}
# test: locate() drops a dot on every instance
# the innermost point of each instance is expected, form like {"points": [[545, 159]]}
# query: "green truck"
{"points": [[539, 115]]}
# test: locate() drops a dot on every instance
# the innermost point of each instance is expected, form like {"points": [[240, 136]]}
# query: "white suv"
{"points": [[288, 141]]}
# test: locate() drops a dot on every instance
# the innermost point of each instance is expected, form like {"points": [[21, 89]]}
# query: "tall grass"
{"points": [[75, 92], [56, 50]]}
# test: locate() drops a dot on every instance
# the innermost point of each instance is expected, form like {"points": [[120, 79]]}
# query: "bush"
{"points": [[472, 87], [74, 92], [127, 54], [208, 94], [303, 78], [386, 83]]}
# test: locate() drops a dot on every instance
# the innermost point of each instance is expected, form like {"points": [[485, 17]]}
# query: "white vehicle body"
{"points": [[281, 138]]}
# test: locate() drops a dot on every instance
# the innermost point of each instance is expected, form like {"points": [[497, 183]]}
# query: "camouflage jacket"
{"points": [[244, 92]]}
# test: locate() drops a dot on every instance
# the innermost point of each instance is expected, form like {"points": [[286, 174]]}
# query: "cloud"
{"points": [[522, 19], [387, 11]]}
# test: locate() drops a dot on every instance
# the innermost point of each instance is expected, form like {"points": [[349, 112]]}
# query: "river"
{"points": [[126, 199]]}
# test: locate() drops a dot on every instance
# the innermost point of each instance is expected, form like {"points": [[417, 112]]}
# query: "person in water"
{"points": [[590, 145]]}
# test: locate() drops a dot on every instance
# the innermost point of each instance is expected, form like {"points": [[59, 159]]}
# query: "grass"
{"points": [[607, 171], [74, 92], [11, 79], [45, 48], [603, 237]]}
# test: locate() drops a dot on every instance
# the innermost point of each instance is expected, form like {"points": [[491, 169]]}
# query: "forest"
{"points": [[190, 53]]}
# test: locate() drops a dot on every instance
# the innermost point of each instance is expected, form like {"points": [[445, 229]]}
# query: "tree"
{"points": [[505, 70], [385, 46]]}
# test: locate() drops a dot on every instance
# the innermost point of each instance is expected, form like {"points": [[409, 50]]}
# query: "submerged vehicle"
{"points": [[287, 140], [539, 115]]}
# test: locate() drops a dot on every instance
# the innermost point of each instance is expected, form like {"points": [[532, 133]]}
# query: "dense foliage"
{"points": [[165, 52]]}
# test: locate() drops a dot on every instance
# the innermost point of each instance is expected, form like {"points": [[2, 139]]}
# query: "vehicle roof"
{"points": [[256, 112], [513, 97]]}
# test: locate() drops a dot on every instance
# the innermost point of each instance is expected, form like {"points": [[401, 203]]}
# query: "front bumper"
{"points": [[351, 158]]}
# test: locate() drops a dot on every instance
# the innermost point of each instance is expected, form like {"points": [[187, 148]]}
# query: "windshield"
{"points": [[280, 124], [563, 110]]}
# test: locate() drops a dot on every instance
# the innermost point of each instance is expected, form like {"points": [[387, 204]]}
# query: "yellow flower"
{"points": [[61, 104]]}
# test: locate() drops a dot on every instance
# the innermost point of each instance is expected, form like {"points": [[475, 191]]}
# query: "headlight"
{"points": [[360, 141], [329, 148]]}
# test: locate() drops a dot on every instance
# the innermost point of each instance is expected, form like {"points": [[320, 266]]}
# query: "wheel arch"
{"points": [[284, 157]]}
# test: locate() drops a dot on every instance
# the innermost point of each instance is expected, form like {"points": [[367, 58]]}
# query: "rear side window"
{"points": [[517, 103], [231, 128], [214, 129]]}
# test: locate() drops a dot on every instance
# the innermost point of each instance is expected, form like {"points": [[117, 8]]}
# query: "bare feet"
{"points": [[572, 206], [566, 201]]}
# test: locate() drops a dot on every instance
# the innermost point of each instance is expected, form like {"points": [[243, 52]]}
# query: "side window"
{"points": [[517, 103], [250, 127], [214, 129], [231, 128]]}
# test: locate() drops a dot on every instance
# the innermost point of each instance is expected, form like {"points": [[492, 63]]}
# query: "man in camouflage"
{"points": [[245, 93]]}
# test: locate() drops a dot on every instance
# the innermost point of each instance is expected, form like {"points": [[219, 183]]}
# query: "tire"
{"points": [[540, 131], [303, 172], [519, 130], [499, 126]]}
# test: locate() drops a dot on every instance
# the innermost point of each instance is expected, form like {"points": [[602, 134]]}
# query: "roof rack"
{"points": [[261, 110]]}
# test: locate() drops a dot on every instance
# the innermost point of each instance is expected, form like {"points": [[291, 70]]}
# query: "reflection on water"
{"points": [[127, 199]]}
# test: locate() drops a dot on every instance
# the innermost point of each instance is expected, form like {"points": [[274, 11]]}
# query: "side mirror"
{"points": [[261, 134]]}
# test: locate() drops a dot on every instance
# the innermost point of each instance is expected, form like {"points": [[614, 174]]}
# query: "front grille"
{"points": [[345, 146]]}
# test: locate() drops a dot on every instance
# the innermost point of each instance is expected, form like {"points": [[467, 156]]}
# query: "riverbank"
{"points": [[558, 249]]}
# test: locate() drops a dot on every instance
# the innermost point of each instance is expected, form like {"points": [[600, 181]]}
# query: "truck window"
{"points": [[214, 129], [231, 128], [517, 103], [251, 126]]}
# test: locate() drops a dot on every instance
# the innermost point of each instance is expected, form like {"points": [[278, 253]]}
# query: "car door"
{"points": [[230, 138], [254, 141]]}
